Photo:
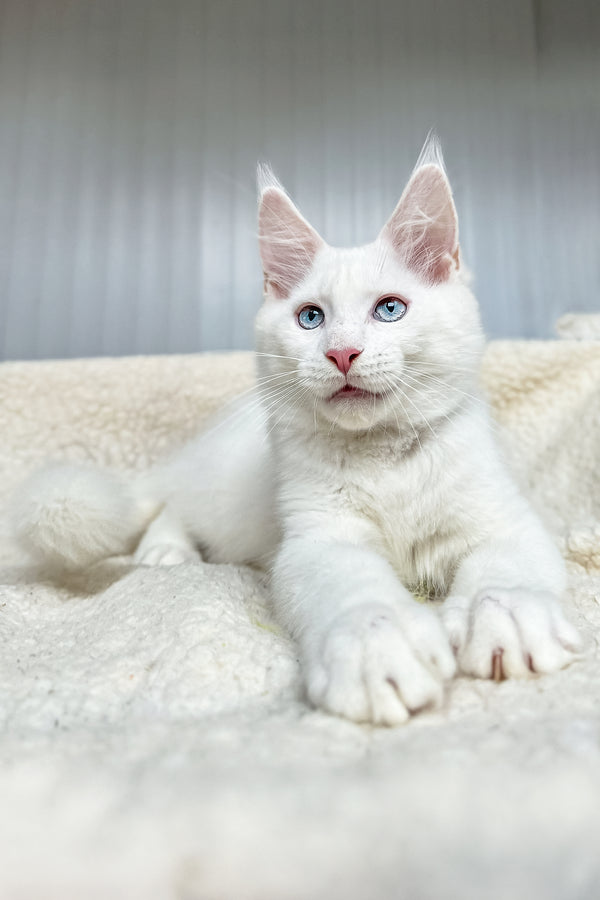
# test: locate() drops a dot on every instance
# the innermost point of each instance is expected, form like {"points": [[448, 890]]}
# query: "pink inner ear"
{"points": [[288, 244], [424, 227]]}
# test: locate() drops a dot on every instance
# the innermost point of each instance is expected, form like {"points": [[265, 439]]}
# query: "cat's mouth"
{"points": [[349, 392]]}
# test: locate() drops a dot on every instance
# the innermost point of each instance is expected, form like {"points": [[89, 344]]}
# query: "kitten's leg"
{"points": [[503, 615], [369, 651], [219, 492], [165, 543]]}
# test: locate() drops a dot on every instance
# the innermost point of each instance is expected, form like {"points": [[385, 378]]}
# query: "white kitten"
{"points": [[380, 475]]}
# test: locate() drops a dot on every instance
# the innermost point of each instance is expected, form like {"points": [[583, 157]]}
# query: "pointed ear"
{"points": [[288, 244], [423, 229]]}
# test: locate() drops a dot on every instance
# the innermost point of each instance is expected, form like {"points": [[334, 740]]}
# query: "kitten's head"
{"points": [[386, 334]]}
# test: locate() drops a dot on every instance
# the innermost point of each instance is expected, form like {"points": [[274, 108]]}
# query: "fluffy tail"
{"points": [[68, 517]]}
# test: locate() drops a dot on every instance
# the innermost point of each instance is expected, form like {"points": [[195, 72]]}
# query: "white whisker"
{"points": [[447, 385], [394, 388], [415, 407], [279, 356]]}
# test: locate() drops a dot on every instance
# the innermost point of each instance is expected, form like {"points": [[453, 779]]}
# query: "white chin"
{"points": [[351, 414]]}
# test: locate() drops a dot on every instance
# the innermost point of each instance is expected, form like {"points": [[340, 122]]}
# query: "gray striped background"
{"points": [[130, 129]]}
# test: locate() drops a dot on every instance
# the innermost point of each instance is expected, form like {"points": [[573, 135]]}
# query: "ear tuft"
{"points": [[288, 244], [266, 178], [431, 153], [423, 229]]}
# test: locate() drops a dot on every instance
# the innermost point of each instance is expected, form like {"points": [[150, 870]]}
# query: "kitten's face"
{"points": [[386, 334]]}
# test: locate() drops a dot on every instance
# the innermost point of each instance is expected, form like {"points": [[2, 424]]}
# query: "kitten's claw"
{"points": [[509, 633], [165, 555], [376, 665]]}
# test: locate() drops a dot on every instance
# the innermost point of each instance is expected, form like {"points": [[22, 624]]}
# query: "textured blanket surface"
{"points": [[154, 740]]}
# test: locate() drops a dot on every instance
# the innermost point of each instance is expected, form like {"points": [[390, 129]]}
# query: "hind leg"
{"points": [[166, 543]]}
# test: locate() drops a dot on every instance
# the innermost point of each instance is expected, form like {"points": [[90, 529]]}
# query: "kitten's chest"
{"points": [[419, 523]]}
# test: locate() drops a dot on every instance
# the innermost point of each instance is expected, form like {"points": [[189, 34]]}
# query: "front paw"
{"points": [[509, 633], [166, 554], [376, 664]]}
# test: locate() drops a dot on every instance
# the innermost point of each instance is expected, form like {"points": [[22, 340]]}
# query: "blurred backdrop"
{"points": [[130, 131]]}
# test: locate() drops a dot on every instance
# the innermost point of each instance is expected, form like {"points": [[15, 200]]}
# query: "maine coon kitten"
{"points": [[379, 477]]}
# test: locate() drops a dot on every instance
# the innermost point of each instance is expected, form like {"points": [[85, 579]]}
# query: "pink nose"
{"points": [[343, 358]]}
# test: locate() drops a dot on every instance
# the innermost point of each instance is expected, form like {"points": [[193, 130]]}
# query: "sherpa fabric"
{"points": [[155, 743]]}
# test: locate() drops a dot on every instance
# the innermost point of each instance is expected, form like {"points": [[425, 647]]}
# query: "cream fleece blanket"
{"points": [[155, 743]]}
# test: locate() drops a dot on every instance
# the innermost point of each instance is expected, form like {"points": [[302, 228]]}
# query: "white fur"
{"points": [[68, 517], [354, 504]]}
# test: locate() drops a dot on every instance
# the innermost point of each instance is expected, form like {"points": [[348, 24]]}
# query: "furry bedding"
{"points": [[154, 739]]}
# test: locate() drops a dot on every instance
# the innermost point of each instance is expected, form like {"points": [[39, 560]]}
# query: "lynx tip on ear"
{"points": [[431, 153], [266, 178]]}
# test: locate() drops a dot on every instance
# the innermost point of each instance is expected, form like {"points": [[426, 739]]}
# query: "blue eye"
{"points": [[390, 309], [310, 317]]}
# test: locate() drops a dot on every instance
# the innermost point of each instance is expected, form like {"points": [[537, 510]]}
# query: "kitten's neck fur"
{"points": [[293, 436]]}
